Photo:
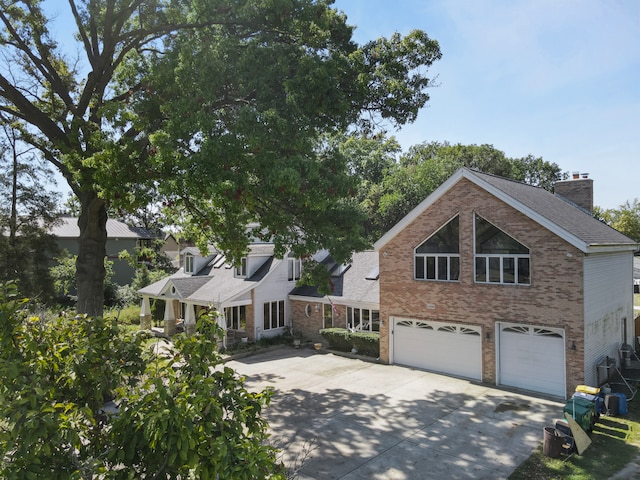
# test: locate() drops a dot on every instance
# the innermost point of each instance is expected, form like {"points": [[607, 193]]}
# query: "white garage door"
{"points": [[442, 347], [532, 358]]}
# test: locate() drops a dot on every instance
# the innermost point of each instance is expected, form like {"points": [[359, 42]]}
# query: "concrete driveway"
{"points": [[343, 418]]}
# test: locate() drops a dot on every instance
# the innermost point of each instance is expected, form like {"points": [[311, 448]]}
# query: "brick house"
{"points": [[354, 302], [506, 283]]}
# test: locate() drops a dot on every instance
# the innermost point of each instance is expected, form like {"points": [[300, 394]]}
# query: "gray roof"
{"points": [[67, 227], [552, 212], [214, 284], [559, 211], [357, 282]]}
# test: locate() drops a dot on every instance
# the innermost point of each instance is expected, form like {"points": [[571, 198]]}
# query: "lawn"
{"points": [[636, 299], [616, 442]]}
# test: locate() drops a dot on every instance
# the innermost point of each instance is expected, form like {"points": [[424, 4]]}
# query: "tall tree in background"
{"points": [[218, 105], [424, 167], [625, 218], [27, 211]]}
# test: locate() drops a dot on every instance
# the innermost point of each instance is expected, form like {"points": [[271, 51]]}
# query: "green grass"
{"points": [[615, 443], [636, 299]]}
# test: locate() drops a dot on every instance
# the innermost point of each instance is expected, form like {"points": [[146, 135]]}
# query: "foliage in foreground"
{"points": [[180, 414]]}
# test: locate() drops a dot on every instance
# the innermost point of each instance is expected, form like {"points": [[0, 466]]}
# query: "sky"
{"points": [[555, 79]]}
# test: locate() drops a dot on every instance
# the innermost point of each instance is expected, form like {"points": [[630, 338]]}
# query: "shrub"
{"points": [[366, 343], [56, 375], [338, 338], [343, 340], [126, 316]]}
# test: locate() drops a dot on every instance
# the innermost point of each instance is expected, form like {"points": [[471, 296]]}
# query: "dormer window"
{"points": [[188, 263], [241, 270], [438, 257], [294, 268], [499, 258]]}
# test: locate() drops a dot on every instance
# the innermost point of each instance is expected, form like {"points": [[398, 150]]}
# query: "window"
{"points": [[294, 267], [241, 270], [438, 258], [499, 258], [236, 317], [273, 315], [363, 320], [188, 263], [327, 315]]}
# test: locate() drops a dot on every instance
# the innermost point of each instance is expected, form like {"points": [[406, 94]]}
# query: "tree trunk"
{"points": [[90, 272]]}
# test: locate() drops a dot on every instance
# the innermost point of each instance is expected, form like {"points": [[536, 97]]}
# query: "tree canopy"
{"points": [[219, 106], [424, 167], [625, 218]]}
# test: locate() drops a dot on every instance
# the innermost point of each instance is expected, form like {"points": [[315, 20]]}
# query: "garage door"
{"points": [[532, 358], [442, 347]]}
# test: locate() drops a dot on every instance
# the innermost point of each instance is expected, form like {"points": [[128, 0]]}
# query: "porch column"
{"points": [[169, 318], [190, 319], [145, 314], [222, 323]]}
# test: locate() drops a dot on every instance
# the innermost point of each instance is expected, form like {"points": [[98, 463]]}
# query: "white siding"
{"points": [[272, 288], [608, 300]]}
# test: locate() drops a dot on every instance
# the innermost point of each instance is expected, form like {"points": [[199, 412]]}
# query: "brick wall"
{"points": [[308, 326], [554, 298]]}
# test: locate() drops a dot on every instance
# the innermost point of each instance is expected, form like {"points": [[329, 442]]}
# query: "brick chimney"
{"points": [[578, 191]]}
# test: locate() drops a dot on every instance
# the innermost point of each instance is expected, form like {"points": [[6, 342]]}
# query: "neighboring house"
{"points": [[120, 236], [171, 248], [251, 297], [506, 283], [354, 302], [636, 274]]}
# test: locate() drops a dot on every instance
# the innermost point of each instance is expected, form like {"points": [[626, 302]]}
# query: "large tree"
{"points": [[218, 104]]}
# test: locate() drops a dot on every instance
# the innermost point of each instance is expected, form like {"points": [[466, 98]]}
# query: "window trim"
{"points": [[372, 315], [328, 308], [268, 309], [294, 274], [238, 315], [501, 257], [241, 270], [189, 263], [448, 256]]}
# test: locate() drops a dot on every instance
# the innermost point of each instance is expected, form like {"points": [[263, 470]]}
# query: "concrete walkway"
{"points": [[342, 418]]}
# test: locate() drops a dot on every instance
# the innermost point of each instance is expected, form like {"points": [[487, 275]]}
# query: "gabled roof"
{"points": [[562, 218], [353, 283], [67, 227], [216, 283]]}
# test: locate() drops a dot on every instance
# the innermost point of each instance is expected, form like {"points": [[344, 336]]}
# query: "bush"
{"points": [[366, 343], [56, 375], [126, 316], [338, 338], [341, 339]]}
